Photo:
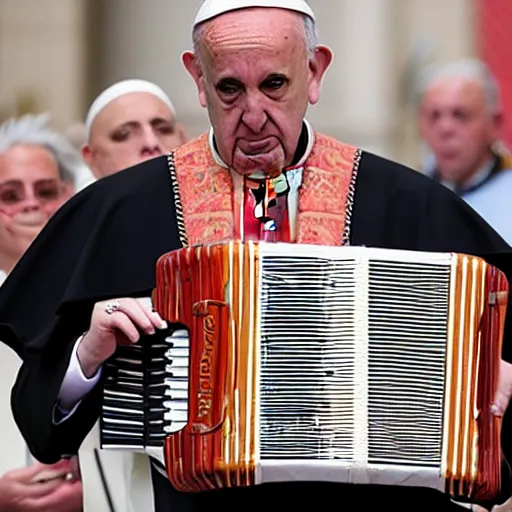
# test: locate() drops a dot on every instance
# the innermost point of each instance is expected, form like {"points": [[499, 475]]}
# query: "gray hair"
{"points": [[310, 32], [470, 69], [33, 129]]}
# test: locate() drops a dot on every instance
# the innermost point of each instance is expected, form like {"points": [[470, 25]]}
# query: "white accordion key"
{"points": [[177, 371], [176, 394], [176, 385], [176, 416], [177, 354]]}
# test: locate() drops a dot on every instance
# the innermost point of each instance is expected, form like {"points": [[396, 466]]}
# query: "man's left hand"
{"points": [[504, 391]]}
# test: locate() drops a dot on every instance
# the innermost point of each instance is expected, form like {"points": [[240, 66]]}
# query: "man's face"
{"points": [[457, 124], [31, 190], [133, 128], [254, 74]]}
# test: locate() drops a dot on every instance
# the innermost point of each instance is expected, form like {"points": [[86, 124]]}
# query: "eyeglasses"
{"points": [[14, 193]]}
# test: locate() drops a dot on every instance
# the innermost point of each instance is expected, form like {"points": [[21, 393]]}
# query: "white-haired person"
{"points": [[460, 119], [37, 175]]}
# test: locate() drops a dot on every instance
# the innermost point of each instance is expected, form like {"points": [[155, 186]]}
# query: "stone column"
{"points": [[146, 40], [359, 98], [43, 58]]}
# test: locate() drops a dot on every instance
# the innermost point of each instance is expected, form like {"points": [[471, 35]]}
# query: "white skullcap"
{"points": [[120, 89], [211, 8]]}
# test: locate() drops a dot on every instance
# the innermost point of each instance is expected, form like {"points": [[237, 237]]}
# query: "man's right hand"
{"points": [[114, 322]]}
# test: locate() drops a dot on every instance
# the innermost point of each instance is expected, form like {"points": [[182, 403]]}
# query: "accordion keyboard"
{"points": [[145, 394]]}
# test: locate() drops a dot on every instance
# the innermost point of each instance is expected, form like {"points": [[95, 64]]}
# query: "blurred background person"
{"points": [[130, 121], [37, 175], [461, 120]]}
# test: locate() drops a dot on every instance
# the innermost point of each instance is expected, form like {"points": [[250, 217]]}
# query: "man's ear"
{"points": [[88, 158], [318, 65], [87, 154], [191, 63]]}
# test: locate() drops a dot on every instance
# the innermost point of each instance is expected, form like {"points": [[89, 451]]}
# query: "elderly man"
{"points": [[261, 173], [37, 172], [129, 122], [460, 119], [33, 182]]}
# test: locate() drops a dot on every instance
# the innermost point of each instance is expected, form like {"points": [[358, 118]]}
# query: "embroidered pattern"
{"points": [[204, 193], [325, 196]]}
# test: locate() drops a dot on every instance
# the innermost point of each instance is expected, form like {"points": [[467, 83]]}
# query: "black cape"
{"points": [[105, 242]]}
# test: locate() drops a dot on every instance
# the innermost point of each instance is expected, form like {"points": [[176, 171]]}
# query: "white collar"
{"points": [[475, 181], [3, 276], [300, 163]]}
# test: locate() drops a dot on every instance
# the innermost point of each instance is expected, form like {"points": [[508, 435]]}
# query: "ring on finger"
{"points": [[112, 306]]}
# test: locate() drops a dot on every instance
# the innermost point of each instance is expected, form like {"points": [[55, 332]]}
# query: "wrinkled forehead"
{"points": [[28, 163], [134, 107], [271, 30], [455, 91]]}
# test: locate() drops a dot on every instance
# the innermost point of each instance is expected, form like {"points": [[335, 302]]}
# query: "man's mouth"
{"points": [[30, 219], [262, 157], [258, 147]]}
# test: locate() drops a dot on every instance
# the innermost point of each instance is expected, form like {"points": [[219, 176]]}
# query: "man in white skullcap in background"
{"points": [[129, 122], [261, 173]]}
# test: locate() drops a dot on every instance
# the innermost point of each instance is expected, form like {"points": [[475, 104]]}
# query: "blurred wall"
{"points": [[495, 41], [43, 58]]}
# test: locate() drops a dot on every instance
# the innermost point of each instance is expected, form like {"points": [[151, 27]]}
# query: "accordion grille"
{"points": [[354, 373]]}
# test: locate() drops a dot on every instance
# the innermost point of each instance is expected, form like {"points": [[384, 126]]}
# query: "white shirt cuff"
{"points": [[75, 386]]}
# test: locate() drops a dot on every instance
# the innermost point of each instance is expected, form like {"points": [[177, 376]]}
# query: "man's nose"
{"points": [[151, 143], [255, 115], [446, 125], [30, 201]]}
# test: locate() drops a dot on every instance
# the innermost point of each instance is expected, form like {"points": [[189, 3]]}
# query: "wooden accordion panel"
{"points": [[337, 364]]}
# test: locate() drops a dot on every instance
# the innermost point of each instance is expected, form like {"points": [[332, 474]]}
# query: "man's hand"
{"points": [[114, 322], [504, 391], [22, 490], [506, 507]]}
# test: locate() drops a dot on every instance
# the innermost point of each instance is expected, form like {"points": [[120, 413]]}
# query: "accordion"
{"points": [[307, 363]]}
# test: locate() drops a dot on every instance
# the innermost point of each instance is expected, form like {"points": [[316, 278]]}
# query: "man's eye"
{"points": [[120, 135], [274, 83], [49, 193], [10, 196], [228, 89]]}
